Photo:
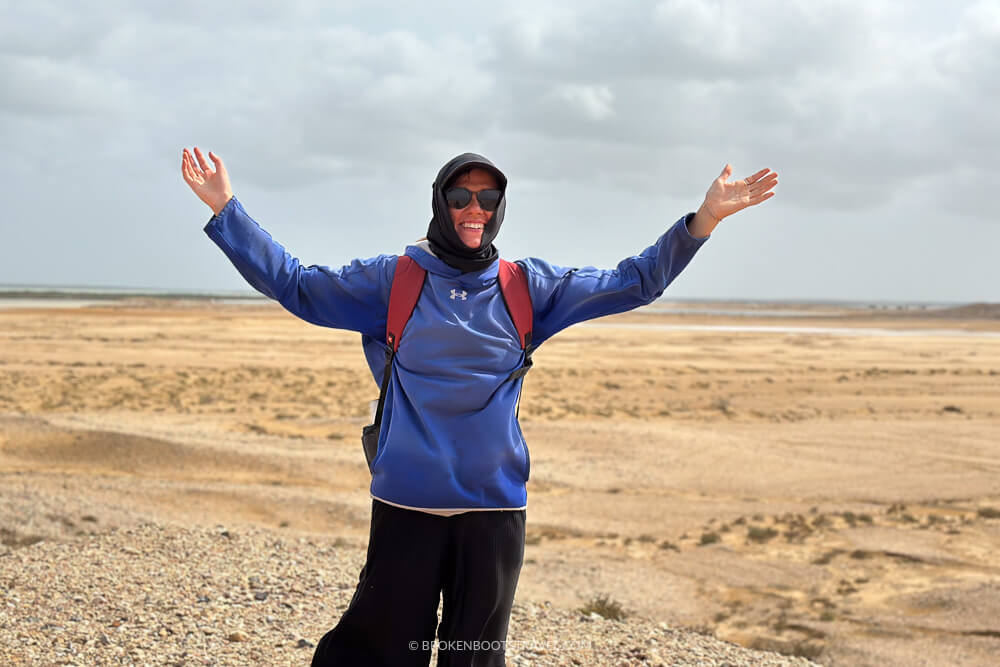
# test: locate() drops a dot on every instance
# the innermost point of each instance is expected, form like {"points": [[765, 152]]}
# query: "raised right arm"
{"points": [[354, 297]]}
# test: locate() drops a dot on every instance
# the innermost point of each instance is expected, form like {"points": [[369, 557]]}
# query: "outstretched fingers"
{"points": [[764, 185], [202, 162], [760, 183], [750, 180], [760, 198], [759, 186], [195, 169], [188, 169]]}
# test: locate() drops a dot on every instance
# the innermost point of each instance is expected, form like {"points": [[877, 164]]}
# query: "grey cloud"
{"points": [[34, 85], [50, 30], [864, 108], [837, 91], [682, 40], [660, 94]]}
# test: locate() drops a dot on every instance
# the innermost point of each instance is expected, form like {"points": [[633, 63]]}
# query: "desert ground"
{"points": [[820, 481]]}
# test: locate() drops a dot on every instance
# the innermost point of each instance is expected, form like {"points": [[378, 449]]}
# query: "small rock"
{"points": [[304, 643], [260, 595], [237, 636]]}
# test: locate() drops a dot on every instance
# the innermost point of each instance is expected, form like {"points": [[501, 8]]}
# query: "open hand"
{"points": [[724, 198], [211, 185]]}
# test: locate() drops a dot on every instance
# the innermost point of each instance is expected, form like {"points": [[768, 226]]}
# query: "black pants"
{"points": [[413, 557]]}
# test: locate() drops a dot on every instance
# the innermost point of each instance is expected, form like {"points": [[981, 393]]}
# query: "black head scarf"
{"points": [[441, 232]]}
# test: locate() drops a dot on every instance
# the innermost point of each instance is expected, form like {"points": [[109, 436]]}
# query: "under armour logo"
{"points": [[459, 294]]}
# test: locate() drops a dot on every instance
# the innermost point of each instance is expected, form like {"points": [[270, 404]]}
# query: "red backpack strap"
{"points": [[514, 288], [407, 283]]}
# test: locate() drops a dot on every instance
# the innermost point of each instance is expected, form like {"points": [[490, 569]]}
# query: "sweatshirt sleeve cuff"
{"points": [[686, 234], [226, 210]]}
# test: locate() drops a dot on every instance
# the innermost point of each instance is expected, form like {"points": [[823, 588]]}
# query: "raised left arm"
{"points": [[562, 297]]}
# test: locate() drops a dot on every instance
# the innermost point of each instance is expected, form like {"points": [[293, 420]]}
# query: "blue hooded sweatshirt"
{"points": [[450, 439]]}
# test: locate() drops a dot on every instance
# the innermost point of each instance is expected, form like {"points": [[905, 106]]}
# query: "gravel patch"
{"points": [[164, 595]]}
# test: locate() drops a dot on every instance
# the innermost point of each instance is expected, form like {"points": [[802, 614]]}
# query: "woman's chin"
{"points": [[472, 241]]}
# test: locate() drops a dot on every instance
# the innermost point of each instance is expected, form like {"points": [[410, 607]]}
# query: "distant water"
{"points": [[7, 304], [740, 312], [805, 331], [59, 296], [74, 296], [821, 308], [106, 293]]}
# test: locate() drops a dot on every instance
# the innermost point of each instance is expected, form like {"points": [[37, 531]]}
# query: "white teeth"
{"points": [[472, 225]]}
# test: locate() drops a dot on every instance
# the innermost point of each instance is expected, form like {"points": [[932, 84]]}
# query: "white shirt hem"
{"points": [[445, 511]]}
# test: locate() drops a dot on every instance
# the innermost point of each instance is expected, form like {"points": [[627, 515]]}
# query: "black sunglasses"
{"points": [[461, 197]]}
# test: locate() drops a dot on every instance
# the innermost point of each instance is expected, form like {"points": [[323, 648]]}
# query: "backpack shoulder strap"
{"points": [[514, 288], [517, 298], [407, 283]]}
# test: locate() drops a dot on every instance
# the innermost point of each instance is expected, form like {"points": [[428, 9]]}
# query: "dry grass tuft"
{"points": [[604, 606]]}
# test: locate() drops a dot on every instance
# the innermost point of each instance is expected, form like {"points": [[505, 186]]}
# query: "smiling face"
{"points": [[470, 221]]}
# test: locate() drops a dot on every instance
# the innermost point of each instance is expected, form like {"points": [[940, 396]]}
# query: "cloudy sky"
{"points": [[881, 118]]}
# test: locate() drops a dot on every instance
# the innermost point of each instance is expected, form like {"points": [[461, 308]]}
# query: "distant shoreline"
{"points": [[56, 296], [114, 294], [103, 293], [29, 296]]}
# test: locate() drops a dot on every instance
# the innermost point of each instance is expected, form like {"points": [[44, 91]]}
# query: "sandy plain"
{"points": [[823, 483]]}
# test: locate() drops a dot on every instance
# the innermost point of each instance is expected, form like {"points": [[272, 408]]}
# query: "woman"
{"points": [[448, 479]]}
